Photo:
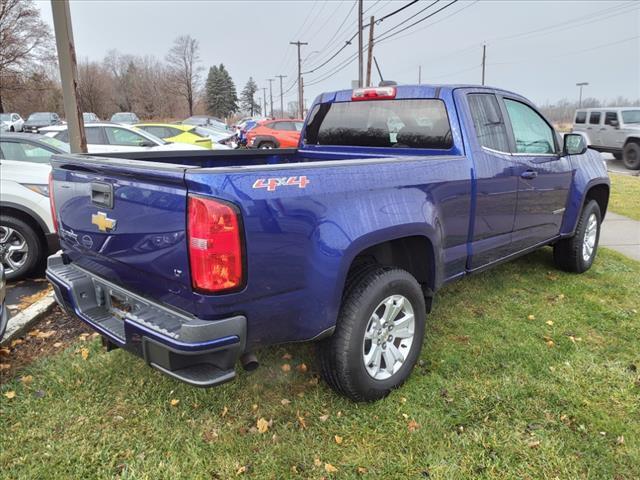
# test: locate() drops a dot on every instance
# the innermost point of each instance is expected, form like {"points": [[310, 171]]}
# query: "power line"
{"points": [[417, 22], [407, 19], [348, 42]]}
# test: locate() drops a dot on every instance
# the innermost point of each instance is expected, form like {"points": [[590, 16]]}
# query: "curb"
{"points": [[20, 323]]}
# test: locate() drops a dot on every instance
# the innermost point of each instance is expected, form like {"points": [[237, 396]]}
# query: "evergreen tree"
{"points": [[221, 96], [247, 98]]}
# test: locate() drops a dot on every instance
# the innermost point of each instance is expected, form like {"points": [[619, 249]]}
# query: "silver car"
{"points": [[614, 130], [4, 314]]}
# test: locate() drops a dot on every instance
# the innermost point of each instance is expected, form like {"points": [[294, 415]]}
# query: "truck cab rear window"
{"points": [[381, 123]]}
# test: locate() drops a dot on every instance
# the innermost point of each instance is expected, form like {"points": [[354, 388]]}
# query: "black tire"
{"points": [[341, 355], [34, 247], [11, 129], [617, 155], [568, 253], [266, 145], [631, 155]]}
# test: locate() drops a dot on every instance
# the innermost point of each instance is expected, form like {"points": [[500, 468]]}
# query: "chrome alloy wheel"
{"points": [[589, 239], [14, 250], [388, 337]]}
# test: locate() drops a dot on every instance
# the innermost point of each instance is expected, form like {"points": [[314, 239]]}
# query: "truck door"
{"points": [[593, 129], [611, 135], [544, 177], [496, 180]]}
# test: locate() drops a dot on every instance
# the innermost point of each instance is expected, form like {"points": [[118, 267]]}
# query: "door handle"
{"points": [[529, 174]]}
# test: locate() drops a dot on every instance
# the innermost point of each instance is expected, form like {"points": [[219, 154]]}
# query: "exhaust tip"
{"points": [[249, 361]]}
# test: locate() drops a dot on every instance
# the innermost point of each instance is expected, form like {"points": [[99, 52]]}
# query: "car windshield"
{"points": [[54, 142], [118, 117], [40, 116], [5, 117], [381, 123], [631, 116]]}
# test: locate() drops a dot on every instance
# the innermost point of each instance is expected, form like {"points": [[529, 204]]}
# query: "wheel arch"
{"points": [[413, 253], [600, 193], [27, 215]]}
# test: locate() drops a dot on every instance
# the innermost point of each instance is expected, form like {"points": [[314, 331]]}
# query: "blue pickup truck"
{"points": [[193, 260]]}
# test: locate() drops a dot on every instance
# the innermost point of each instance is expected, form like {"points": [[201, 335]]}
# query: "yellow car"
{"points": [[176, 133]]}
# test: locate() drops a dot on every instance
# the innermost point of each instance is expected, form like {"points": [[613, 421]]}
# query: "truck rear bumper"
{"points": [[200, 353]]}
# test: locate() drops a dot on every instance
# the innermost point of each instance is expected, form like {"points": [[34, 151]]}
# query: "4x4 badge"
{"points": [[103, 222]]}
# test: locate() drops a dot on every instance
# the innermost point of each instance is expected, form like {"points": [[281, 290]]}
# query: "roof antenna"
{"points": [[383, 82]]}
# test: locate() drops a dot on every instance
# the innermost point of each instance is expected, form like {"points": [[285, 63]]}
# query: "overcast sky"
{"points": [[537, 48]]}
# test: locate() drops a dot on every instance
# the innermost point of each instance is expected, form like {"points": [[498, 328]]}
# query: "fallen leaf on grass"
{"points": [[361, 470], [287, 356], [83, 336], [338, 439], [225, 410], [262, 425], [413, 426], [17, 341], [531, 317], [10, 394], [241, 470], [620, 440], [330, 468], [323, 418], [5, 366], [302, 368], [57, 344], [174, 402], [85, 353], [317, 462], [27, 379], [4, 352], [549, 322], [45, 335], [534, 444], [286, 368], [285, 401], [301, 421]]}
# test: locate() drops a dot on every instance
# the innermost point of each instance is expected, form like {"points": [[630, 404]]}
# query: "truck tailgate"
{"points": [[126, 222]]}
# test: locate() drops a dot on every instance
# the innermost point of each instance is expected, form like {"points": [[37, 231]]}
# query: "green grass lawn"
{"points": [[526, 372], [625, 195]]}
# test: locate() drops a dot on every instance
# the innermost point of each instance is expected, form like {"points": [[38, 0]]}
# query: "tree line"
{"points": [[153, 88]]}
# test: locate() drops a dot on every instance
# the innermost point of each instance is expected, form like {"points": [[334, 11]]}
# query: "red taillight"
{"points": [[379, 93], [52, 203], [215, 248]]}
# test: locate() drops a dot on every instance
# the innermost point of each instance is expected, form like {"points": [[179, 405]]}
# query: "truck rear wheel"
{"points": [[577, 253], [378, 335], [631, 155]]}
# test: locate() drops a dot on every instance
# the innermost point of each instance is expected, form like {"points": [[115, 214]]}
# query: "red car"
{"points": [[279, 133]]}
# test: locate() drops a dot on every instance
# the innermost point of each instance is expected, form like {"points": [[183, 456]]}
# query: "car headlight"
{"points": [[38, 188]]}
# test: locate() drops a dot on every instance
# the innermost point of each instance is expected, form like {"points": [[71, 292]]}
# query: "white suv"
{"points": [[27, 234], [614, 130]]}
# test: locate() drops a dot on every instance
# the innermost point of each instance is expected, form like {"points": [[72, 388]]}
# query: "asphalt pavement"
{"points": [[616, 166]]}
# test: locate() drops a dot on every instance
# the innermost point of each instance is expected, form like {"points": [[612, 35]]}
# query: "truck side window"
{"points": [[488, 121], [610, 117], [594, 118], [581, 117], [532, 133]]}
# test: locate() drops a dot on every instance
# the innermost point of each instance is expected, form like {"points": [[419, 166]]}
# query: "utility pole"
{"points": [[270, 80], [281, 101], [68, 74], [484, 60], [419, 74], [581, 84], [378, 68], [360, 60], [370, 52], [300, 86], [264, 96]]}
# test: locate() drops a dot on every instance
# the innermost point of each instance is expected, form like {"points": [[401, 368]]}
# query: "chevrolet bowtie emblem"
{"points": [[103, 222]]}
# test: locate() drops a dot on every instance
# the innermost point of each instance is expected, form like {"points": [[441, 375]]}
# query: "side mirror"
{"points": [[614, 123], [574, 144], [147, 143]]}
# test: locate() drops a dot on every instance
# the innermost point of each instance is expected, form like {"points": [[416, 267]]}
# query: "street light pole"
{"points": [[581, 84]]}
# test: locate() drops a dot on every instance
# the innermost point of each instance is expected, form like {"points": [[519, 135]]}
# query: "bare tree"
{"points": [[183, 69], [94, 88], [24, 41]]}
